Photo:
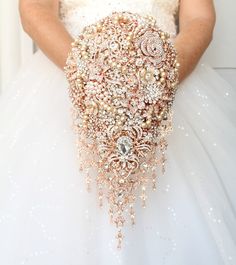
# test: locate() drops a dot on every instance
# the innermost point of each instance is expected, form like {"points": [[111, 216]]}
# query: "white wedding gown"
{"points": [[47, 217]]}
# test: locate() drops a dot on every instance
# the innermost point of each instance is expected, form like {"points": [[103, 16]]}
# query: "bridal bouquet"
{"points": [[123, 75]]}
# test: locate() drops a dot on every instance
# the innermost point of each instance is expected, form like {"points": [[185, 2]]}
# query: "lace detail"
{"points": [[76, 14]]}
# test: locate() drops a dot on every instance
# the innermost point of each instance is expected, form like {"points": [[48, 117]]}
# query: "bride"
{"points": [[46, 214]]}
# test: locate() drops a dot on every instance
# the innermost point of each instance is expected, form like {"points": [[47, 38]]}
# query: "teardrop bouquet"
{"points": [[123, 76]]}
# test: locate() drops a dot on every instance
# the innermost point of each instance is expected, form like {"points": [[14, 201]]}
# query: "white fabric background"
{"points": [[16, 47]]}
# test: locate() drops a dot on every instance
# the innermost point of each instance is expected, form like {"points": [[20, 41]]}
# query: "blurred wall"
{"points": [[15, 45], [222, 52]]}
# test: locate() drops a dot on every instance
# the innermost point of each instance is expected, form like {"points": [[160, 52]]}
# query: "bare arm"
{"points": [[196, 21], [41, 21]]}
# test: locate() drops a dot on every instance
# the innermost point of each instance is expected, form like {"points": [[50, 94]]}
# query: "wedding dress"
{"points": [[46, 214]]}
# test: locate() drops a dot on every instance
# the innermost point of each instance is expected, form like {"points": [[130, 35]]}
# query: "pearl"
{"points": [[163, 74], [93, 104], [142, 72], [110, 61], [116, 17], [124, 69], [148, 76], [143, 125], [125, 19], [162, 80], [113, 64], [148, 122], [99, 27]]}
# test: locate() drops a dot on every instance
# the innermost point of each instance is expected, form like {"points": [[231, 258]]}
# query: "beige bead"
{"points": [[143, 72], [114, 64], [148, 76], [162, 80], [125, 18], [163, 74], [116, 17], [118, 66], [99, 26], [143, 125], [124, 69], [148, 122]]}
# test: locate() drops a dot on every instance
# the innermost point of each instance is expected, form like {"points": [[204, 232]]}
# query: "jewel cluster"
{"points": [[123, 75]]}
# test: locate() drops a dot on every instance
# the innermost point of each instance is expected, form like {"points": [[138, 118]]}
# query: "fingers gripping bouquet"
{"points": [[123, 76]]}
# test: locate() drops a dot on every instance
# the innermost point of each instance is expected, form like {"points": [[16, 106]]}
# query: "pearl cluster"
{"points": [[123, 76]]}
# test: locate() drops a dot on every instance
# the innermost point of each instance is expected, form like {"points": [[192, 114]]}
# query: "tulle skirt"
{"points": [[48, 217]]}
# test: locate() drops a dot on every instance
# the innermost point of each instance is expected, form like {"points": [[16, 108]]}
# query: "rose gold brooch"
{"points": [[123, 75]]}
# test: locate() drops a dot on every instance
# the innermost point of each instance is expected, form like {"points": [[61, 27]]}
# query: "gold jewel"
{"points": [[123, 75]]}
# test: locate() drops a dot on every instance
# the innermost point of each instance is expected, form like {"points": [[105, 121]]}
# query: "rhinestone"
{"points": [[114, 46], [139, 62], [124, 145]]}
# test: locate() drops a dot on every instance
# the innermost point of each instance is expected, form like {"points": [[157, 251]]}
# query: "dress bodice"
{"points": [[76, 14]]}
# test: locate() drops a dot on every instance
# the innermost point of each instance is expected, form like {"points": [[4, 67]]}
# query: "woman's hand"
{"points": [[196, 24], [40, 20]]}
